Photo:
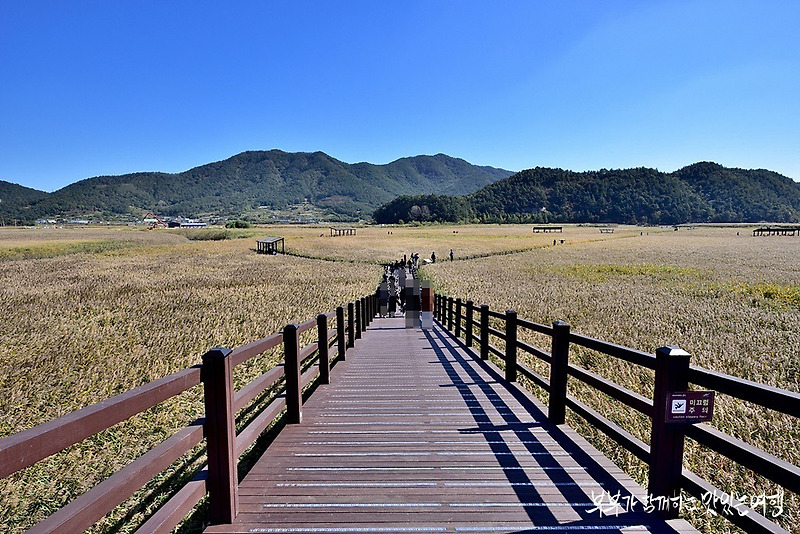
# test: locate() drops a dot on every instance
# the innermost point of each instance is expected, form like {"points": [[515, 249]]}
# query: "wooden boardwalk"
{"points": [[416, 435]]}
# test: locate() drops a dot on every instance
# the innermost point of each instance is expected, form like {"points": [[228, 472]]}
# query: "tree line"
{"points": [[703, 192]]}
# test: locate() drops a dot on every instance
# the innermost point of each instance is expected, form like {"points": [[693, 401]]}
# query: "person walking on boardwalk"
{"points": [[383, 297], [392, 295]]}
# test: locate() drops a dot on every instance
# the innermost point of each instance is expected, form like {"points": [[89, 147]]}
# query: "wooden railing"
{"points": [[224, 446], [664, 454]]}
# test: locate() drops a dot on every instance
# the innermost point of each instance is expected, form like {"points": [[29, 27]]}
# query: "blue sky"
{"points": [[90, 88]]}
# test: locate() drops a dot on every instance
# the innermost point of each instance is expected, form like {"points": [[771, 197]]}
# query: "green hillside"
{"points": [[703, 192], [14, 200], [260, 183]]}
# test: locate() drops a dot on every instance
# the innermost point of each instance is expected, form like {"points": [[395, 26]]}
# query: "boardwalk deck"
{"points": [[415, 435]]}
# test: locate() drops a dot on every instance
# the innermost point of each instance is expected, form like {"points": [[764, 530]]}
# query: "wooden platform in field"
{"points": [[416, 435]]}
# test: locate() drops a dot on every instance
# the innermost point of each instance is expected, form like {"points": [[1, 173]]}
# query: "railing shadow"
{"points": [[448, 351]]}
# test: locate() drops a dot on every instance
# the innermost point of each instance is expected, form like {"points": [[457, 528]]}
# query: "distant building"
{"points": [[186, 223]]}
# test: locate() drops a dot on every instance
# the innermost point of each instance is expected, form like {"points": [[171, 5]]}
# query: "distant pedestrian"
{"points": [[451, 254], [433, 257], [383, 298], [392, 307]]}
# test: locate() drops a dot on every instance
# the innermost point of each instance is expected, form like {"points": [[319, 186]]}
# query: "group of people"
{"points": [[393, 294]]}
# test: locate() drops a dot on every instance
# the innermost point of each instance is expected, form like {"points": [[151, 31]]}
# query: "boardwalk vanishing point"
{"points": [[416, 434]]}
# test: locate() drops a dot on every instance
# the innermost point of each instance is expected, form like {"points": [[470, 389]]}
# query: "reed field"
{"points": [[81, 324], [90, 313], [386, 244]]}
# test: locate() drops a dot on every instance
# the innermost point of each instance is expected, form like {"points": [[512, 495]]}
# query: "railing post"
{"points": [[291, 369], [511, 345], [458, 317], [220, 430], [364, 314], [358, 319], [340, 340], [484, 332], [450, 304], [559, 363], [322, 349], [667, 439], [351, 321], [437, 307], [468, 334]]}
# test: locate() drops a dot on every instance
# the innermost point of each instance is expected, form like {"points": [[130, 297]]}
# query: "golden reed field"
{"points": [[90, 313]]}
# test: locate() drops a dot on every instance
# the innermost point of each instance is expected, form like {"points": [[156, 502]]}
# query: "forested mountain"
{"points": [[13, 199], [703, 192], [269, 180]]}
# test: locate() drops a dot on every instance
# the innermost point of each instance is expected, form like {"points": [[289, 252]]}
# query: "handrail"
{"points": [[775, 469], [247, 436], [497, 333], [727, 506], [253, 389], [536, 327], [25, 448], [251, 350], [308, 325], [777, 399], [645, 359], [497, 315], [534, 351], [84, 511], [624, 395], [779, 471], [174, 510]]}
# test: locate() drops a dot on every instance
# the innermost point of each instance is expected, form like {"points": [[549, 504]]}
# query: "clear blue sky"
{"points": [[92, 87]]}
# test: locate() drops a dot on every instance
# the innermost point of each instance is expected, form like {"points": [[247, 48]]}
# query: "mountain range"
{"points": [[254, 185], [702, 192], [263, 186]]}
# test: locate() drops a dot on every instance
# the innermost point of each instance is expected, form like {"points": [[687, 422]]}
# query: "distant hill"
{"points": [[703, 192], [255, 183], [14, 199]]}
